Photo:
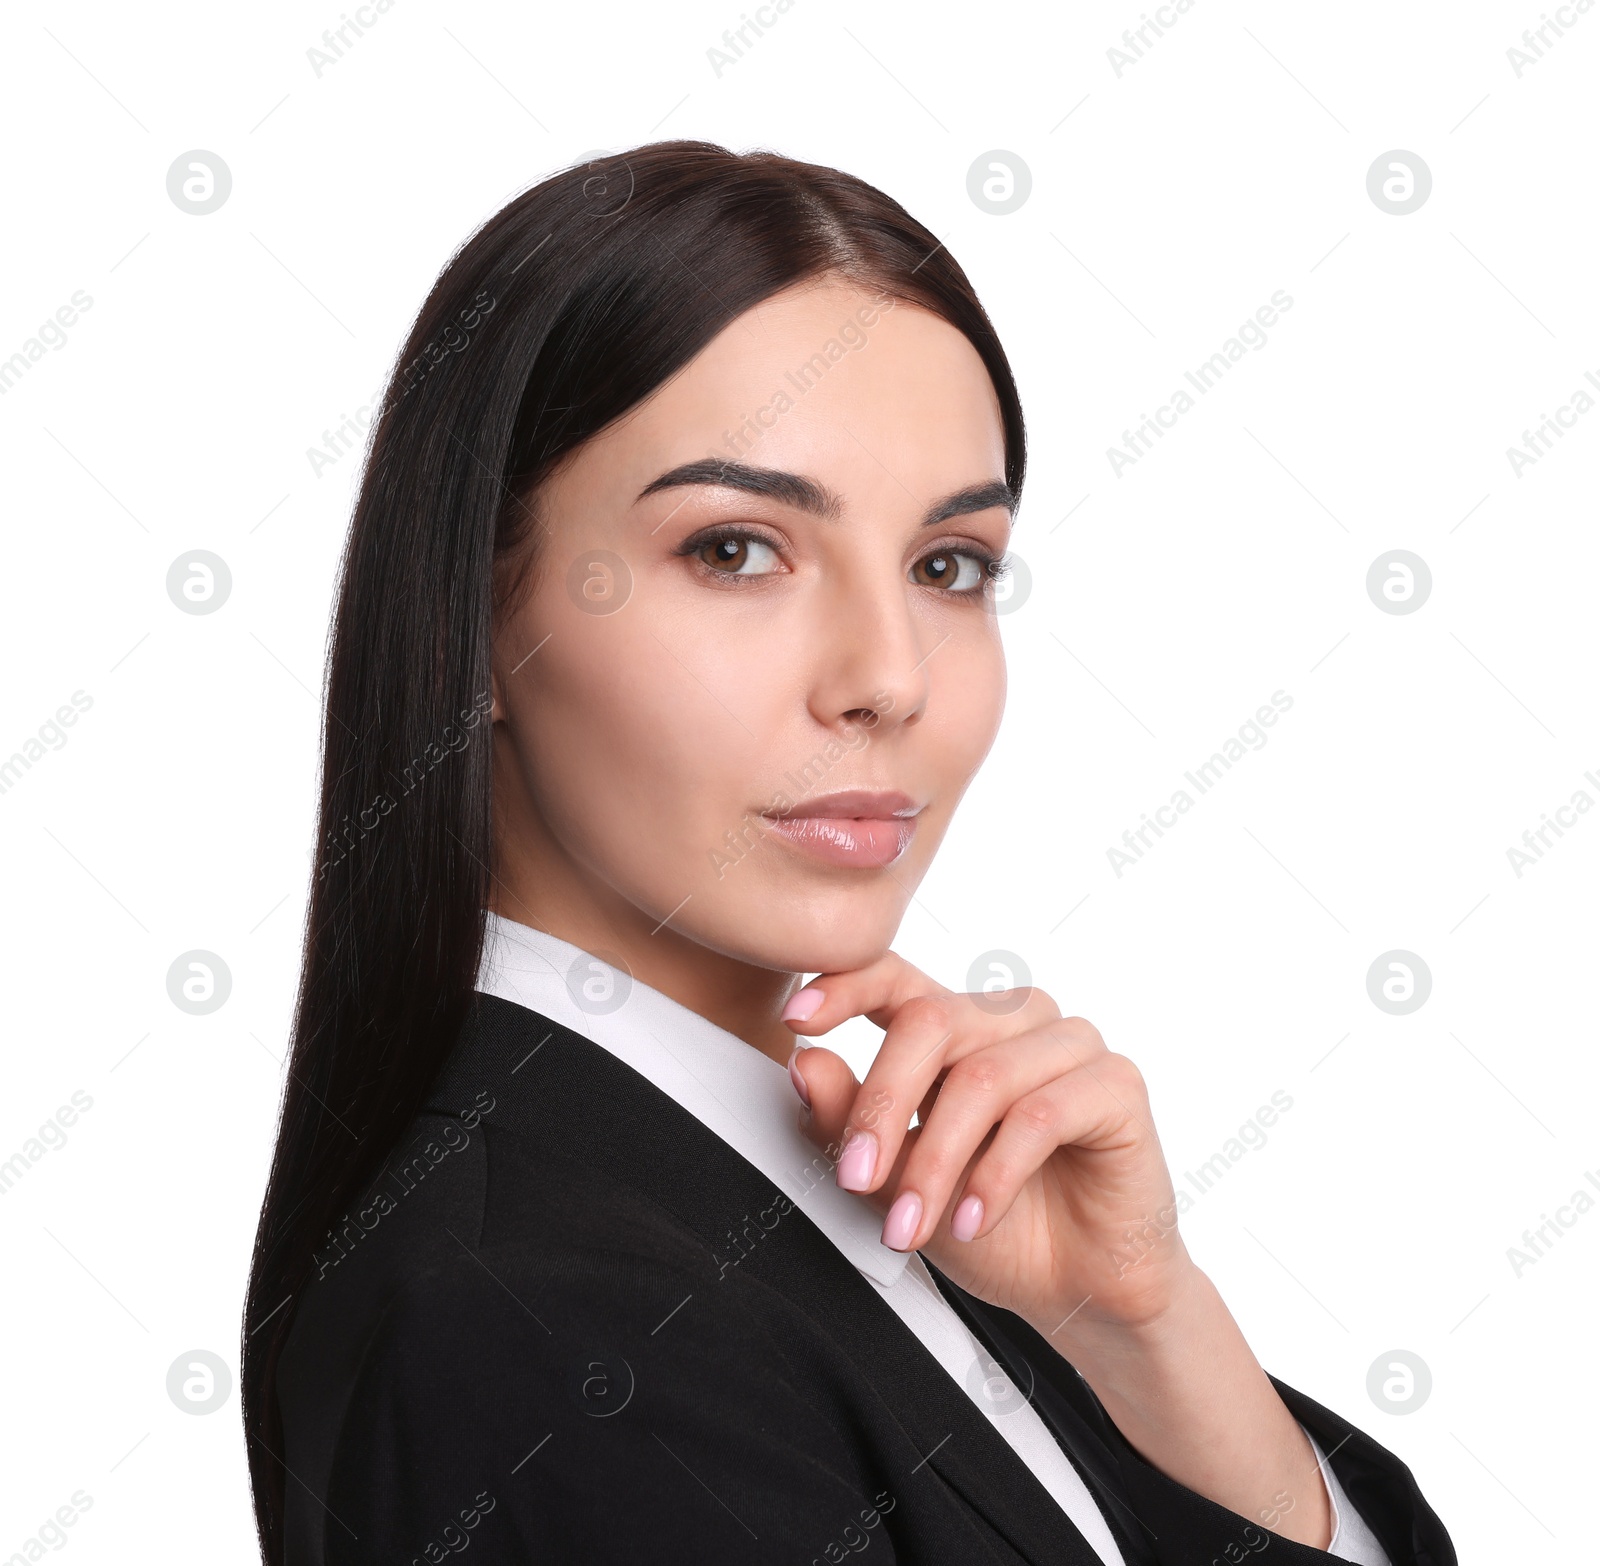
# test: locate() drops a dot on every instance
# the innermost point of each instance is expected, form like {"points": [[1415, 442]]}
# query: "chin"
{"points": [[793, 934]]}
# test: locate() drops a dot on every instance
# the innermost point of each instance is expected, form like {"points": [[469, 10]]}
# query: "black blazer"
{"points": [[572, 1324]]}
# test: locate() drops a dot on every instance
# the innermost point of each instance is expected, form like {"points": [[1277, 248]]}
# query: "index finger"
{"points": [[927, 1029], [875, 992]]}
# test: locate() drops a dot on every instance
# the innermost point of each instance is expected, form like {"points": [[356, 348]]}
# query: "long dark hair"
{"points": [[567, 308]]}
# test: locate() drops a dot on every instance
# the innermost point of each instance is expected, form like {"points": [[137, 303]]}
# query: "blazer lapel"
{"points": [[580, 1102], [1069, 1411]]}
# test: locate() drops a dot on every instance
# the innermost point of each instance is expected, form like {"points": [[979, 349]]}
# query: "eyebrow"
{"points": [[807, 494]]}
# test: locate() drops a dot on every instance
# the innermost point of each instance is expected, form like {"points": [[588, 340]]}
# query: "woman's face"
{"points": [[763, 587]]}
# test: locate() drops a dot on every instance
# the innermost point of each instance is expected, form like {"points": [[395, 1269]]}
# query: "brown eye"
{"points": [[951, 570], [738, 554]]}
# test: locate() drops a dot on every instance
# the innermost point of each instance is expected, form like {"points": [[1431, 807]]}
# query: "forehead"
{"points": [[880, 399]]}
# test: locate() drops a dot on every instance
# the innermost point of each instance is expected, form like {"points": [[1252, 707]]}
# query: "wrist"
{"points": [[1183, 1388], [1172, 1311]]}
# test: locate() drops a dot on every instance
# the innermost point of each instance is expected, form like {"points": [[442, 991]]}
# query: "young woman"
{"points": [[664, 651]]}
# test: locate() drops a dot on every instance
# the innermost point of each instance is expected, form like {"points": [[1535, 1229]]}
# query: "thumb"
{"points": [[833, 1090], [827, 1086]]}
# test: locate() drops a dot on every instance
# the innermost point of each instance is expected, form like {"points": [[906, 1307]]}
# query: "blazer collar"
{"points": [[734, 1090]]}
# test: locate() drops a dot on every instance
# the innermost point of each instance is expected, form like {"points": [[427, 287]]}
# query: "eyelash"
{"points": [[995, 567]]}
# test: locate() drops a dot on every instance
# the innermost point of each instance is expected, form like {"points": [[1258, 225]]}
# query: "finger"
{"points": [[927, 1034], [879, 990], [1089, 1106], [978, 1092], [914, 1051], [880, 987], [831, 1087], [826, 1089]]}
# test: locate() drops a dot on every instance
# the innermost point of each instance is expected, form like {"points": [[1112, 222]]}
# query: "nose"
{"points": [[870, 663]]}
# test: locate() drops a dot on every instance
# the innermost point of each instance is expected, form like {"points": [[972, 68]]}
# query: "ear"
{"points": [[507, 596], [498, 677], [497, 708]]}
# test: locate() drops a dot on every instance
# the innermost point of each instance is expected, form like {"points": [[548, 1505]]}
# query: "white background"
{"points": [[1167, 204]]}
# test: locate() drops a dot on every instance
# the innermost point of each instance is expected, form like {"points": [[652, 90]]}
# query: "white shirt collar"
{"points": [[742, 1095]]}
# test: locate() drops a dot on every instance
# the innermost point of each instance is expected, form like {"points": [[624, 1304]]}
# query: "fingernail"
{"points": [[857, 1161], [902, 1220], [795, 1077], [967, 1218], [802, 1006]]}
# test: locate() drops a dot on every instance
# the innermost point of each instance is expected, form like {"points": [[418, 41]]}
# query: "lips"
{"points": [[858, 828]]}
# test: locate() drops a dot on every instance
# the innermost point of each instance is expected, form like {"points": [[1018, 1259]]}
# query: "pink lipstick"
{"points": [[859, 828]]}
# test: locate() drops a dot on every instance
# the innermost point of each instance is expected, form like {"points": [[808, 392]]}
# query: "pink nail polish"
{"points": [[902, 1220], [795, 1077], [967, 1218], [857, 1161], [803, 1006]]}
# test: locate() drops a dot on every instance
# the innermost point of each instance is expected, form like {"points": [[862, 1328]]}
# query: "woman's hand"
{"points": [[1035, 1180], [1034, 1177]]}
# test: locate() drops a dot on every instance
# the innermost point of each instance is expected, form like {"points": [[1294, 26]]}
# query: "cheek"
{"points": [[640, 744], [966, 698]]}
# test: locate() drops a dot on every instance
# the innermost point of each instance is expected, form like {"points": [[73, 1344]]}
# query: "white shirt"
{"points": [[747, 1099]]}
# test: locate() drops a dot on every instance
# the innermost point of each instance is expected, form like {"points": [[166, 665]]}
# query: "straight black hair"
{"points": [[566, 309]]}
